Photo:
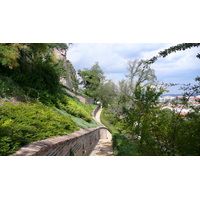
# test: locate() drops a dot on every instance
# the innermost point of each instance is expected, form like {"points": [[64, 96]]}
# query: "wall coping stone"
{"points": [[34, 148]]}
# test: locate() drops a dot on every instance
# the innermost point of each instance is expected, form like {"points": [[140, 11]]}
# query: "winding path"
{"points": [[104, 146]]}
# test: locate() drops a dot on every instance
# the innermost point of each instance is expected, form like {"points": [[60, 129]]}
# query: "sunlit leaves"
{"points": [[173, 49], [9, 54]]}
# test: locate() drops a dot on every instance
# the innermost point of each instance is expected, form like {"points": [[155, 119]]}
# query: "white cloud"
{"points": [[180, 66], [115, 76]]}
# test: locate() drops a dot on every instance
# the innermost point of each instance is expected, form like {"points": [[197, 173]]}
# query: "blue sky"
{"points": [[179, 67]]}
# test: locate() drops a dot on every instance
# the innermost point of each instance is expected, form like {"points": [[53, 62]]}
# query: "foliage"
{"points": [[9, 54], [30, 71], [109, 120], [26, 54], [173, 49], [140, 74], [91, 78], [71, 105], [74, 108], [37, 69], [138, 120], [187, 137], [122, 146], [44, 76], [8, 88], [79, 121], [25, 123], [159, 132], [106, 93], [59, 45], [141, 127]]}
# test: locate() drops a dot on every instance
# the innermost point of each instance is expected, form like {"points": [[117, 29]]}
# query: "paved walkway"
{"points": [[104, 146]]}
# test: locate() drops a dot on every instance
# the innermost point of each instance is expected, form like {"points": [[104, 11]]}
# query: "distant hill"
{"points": [[176, 95], [173, 95]]}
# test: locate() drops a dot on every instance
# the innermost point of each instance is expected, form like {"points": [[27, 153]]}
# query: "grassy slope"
{"points": [[24, 120]]}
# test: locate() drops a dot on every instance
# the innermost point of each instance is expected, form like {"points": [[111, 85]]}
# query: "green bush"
{"points": [[71, 105], [87, 107], [25, 123], [73, 108], [122, 146], [8, 88], [109, 121], [42, 76]]}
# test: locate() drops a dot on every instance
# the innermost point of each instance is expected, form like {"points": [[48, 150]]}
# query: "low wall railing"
{"points": [[96, 110], [79, 143], [87, 100]]}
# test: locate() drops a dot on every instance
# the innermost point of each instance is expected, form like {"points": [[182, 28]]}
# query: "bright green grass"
{"points": [[79, 121]]}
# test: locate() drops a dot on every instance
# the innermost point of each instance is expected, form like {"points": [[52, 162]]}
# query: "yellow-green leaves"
{"points": [[9, 54]]}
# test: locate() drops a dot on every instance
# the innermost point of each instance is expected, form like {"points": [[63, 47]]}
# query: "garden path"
{"points": [[104, 146]]}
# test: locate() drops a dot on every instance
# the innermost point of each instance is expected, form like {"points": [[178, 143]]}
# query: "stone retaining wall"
{"points": [[95, 111], [87, 100], [79, 143]]}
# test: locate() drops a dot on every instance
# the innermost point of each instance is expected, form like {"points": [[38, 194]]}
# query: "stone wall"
{"points": [[96, 110], [81, 98], [79, 143]]}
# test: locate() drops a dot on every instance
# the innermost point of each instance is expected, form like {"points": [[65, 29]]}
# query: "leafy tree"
{"points": [[140, 76], [91, 78], [160, 132], [138, 122], [140, 73], [106, 93], [14, 54], [9, 54], [33, 66], [59, 45]]}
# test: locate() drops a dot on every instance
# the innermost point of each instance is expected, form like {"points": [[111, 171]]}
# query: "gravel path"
{"points": [[104, 146]]}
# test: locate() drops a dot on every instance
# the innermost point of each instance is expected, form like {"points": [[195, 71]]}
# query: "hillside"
{"points": [[25, 119]]}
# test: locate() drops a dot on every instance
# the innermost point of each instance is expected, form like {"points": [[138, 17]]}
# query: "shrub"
{"points": [[25, 123], [42, 76], [122, 146], [64, 101], [73, 108], [8, 88]]}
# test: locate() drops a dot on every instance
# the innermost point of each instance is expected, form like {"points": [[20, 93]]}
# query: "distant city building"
{"points": [[168, 103]]}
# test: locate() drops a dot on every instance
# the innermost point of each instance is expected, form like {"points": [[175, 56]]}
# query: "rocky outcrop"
{"points": [[70, 79]]}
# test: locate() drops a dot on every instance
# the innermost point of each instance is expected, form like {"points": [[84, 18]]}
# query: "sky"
{"points": [[180, 67]]}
